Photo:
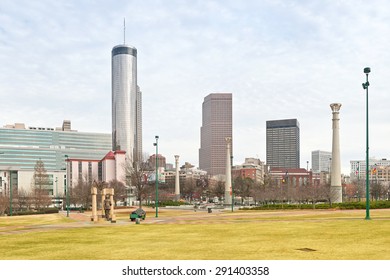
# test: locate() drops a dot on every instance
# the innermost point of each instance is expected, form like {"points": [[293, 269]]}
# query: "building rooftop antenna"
{"points": [[124, 31]]}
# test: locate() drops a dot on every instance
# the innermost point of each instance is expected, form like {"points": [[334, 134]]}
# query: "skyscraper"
{"points": [[216, 126], [139, 156], [126, 102], [283, 148]]}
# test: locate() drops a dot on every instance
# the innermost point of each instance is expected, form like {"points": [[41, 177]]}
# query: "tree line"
{"points": [[245, 191]]}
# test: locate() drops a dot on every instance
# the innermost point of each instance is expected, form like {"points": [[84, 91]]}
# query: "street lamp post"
{"points": [[56, 192], [66, 186], [367, 70], [10, 193], [231, 162], [358, 170], [156, 144]]}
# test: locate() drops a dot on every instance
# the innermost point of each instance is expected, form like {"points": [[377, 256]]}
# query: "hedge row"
{"points": [[40, 211], [344, 205], [170, 203]]}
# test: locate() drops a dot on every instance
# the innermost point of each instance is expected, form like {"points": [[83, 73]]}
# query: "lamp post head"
{"points": [[367, 70], [156, 136]]}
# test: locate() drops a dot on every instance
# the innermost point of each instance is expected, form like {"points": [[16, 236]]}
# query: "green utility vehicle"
{"points": [[138, 214]]}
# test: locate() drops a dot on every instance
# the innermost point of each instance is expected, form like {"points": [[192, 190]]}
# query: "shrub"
{"points": [[343, 206], [169, 203]]}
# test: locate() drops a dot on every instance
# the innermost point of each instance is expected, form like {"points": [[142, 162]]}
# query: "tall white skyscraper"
{"points": [[126, 102]]}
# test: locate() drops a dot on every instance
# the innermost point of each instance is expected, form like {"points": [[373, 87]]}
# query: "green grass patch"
{"points": [[7, 223]]}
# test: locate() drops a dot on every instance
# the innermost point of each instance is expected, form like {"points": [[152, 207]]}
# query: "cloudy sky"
{"points": [[280, 59]]}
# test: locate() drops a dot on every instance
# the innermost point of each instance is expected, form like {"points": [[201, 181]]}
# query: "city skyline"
{"points": [[280, 60]]}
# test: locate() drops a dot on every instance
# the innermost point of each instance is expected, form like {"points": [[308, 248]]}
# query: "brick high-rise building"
{"points": [[216, 126]]}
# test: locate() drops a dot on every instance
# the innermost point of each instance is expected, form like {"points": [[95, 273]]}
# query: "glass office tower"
{"points": [[124, 100], [283, 144], [321, 161], [21, 148]]}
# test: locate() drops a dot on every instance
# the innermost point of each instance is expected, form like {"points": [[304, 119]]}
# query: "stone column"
{"points": [[336, 192], [112, 213], [103, 192], [177, 178], [228, 181], [94, 216]]}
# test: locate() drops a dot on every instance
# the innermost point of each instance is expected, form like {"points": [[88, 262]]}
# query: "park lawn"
{"points": [[22, 222], [317, 235]]}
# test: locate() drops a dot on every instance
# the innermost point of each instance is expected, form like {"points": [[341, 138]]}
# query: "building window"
{"points": [[89, 171], [70, 174], [100, 171], [80, 170]]}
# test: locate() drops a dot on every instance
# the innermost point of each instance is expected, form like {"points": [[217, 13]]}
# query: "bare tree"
{"points": [[257, 192], [317, 193], [325, 192], [191, 189], [351, 190], [243, 187], [120, 193], [81, 193], [218, 189], [22, 200], [137, 178], [4, 204], [377, 190], [40, 186]]}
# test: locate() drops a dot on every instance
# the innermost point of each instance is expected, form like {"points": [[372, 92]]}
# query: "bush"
{"points": [[380, 204], [169, 203], [342, 206], [23, 213], [49, 210], [40, 211]]}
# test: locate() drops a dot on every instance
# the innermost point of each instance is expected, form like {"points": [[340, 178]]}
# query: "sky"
{"points": [[279, 59]]}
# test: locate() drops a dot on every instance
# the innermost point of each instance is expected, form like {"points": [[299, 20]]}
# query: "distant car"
{"points": [[139, 213]]}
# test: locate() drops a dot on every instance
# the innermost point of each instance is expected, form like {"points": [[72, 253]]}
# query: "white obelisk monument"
{"points": [[177, 178], [336, 192], [228, 182]]}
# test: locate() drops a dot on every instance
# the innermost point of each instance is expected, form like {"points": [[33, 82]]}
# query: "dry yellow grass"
{"points": [[186, 235]]}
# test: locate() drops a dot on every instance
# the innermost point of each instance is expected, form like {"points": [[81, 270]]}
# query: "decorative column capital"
{"points": [[228, 140], [335, 107]]}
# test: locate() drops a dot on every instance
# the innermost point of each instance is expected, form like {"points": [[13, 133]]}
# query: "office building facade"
{"points": [[252, 168], [321, 161], [283, 143], [126, 102], [21, 147], [216, 126], [376, 166]]}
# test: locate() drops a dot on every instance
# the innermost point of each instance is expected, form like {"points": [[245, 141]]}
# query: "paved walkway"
{"points": [[188, 217]]}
